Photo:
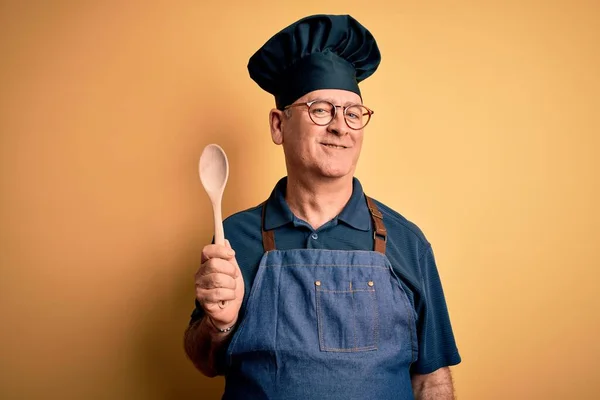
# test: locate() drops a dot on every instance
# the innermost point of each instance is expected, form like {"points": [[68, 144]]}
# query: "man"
{"points": [[329, 294]]}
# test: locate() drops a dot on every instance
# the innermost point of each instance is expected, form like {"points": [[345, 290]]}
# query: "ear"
{"points": [[276, 118]]}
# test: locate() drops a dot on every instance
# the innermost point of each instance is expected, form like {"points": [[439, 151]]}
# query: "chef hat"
{"points": [[316, 52]]}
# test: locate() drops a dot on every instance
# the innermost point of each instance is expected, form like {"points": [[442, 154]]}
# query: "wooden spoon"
{"points": [[214, 171]]}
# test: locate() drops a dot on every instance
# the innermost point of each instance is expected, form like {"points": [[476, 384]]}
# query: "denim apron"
{"points": [[324, 324]]}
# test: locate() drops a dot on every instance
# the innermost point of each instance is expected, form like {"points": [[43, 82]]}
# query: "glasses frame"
{"points": [[345, 108]]}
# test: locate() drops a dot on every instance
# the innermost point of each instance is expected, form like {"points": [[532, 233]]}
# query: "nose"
{"points": [[338, 126]]}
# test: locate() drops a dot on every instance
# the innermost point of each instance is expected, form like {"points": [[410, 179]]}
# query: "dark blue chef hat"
{"points": [[316, 52]]}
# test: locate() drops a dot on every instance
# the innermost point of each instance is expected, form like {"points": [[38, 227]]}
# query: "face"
{"points": [[313, 151]]}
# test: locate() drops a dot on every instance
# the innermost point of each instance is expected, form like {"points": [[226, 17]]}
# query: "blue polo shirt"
{"points": [[408, 250]]}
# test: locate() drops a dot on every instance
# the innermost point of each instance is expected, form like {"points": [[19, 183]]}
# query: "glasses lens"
{"points": [[321, 112], [357, 116]]}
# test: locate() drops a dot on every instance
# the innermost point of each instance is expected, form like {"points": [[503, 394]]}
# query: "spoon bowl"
{"points": [[213, 169]]}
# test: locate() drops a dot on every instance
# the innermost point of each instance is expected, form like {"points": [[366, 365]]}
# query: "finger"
{"points": [[215, 281], [233, 259], [214, 295], [217, 266], [236, 267], [210, 308], [217, 251]]}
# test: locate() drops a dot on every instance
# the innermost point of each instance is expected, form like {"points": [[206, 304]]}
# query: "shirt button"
{"points": [[370, 283], [314, 236], [318, 283]]}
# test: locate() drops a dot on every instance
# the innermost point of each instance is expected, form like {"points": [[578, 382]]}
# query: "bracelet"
{"points": [[219, 329]]}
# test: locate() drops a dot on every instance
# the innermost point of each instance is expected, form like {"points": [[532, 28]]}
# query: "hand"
{"points": [[219, 279]]}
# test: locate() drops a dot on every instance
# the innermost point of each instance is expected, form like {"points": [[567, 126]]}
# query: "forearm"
{"points": [[202, 344], [437, 392], [435, 386]]}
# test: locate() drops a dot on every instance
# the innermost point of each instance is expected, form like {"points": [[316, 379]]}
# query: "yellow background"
{"points": [[485, 135]]}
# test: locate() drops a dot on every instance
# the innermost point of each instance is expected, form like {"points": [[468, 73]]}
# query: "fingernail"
{"points": [[231, 252]]}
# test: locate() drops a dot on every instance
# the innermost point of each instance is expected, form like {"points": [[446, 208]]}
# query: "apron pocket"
{"points": [[347, 318]]}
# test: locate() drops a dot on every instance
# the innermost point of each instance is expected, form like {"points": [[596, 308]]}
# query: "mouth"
{"points": [[333, 146]]}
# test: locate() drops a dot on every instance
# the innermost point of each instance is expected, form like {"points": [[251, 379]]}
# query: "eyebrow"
{"points": [[333, 102]]}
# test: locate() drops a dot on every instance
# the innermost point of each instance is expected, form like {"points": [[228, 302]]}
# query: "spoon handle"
{"points": [[219, 234]]}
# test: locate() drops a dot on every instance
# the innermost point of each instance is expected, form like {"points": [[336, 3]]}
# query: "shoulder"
{"points": [[397, 224], [243, 230], [245, 219]]}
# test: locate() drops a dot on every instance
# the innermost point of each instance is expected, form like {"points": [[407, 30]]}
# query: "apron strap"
{"points": [[268, 237], [379, 231]]}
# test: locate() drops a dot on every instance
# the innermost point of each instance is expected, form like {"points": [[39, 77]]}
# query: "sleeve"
{"points": [[437, 347]]}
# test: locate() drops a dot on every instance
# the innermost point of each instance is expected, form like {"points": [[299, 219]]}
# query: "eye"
{"points": [[321, 109], [355, 112]]}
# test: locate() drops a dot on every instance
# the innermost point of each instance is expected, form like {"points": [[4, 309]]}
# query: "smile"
{"points": [[333, 146]]}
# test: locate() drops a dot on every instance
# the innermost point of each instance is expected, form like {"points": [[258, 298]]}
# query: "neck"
{"points": [[317, 201]]}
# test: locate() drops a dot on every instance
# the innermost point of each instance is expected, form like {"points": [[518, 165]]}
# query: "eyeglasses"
{"points": [[322, 112]]}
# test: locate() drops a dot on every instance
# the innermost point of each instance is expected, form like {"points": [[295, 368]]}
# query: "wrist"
{"points": [[220, 329]]}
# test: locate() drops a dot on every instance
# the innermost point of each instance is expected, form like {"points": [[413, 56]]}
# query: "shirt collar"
{"points": [[355, 213], [278, 212]]}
